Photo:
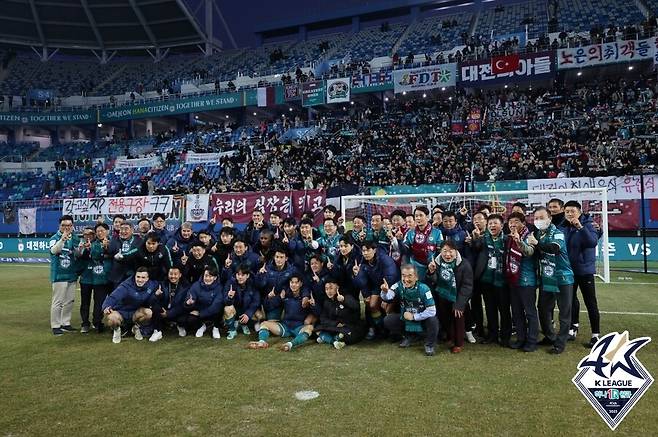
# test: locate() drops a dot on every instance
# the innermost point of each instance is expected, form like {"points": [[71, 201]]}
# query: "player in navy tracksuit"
{"points": [[160, 227], [369, 276], [240, 255], [241, 302], [168, 303], [274, 276], [582, 238], [204, 304], [295, 312], [343, 269], [198, 260], [180, 241], [130, 302], [340, 317], [303, 246], [315, 279], [154, 256]]}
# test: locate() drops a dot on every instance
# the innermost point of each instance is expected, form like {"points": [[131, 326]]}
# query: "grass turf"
{"points": [[85, 385]]}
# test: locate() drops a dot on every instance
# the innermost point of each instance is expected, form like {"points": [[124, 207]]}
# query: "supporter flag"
{"points": [[196, 207], [504, 64], [266, 96], [27, 221]]}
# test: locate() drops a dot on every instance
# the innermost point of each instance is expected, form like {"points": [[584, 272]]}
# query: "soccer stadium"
{"points": [[350, 218]]}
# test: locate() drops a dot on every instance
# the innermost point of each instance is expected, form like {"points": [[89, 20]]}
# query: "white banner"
{"points": [[619, 187], [151, 161], [511, 111], [118, 205], [425, 78], [196, 207], [607, 53], [27, 221], [206, 158], [338, 90]]}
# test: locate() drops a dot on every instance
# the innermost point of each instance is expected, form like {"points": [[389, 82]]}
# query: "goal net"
{"points": [[594, 202]]}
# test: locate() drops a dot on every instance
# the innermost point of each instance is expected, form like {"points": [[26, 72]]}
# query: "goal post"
{"points": [[593, 200]]}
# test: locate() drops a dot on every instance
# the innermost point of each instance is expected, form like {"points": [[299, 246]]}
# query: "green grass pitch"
{"points": [[85, 385]]}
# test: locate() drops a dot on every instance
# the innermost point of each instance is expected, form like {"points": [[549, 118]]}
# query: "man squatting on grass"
{"points": [[416, 278]]}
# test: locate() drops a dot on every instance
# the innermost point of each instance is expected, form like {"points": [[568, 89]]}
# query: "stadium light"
{"points": [[196, 117], [100, 125], [505, 86], [443, 88], [404, 93], [290, 109], [424, 95], [254, 114], [227, 116], [630, 67], [580, 73], [386, 99], [344, 108], [352, 103]]}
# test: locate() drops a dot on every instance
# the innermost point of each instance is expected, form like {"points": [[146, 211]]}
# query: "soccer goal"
{"points": [[594, 202]]}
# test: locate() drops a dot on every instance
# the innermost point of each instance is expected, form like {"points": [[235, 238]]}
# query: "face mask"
{"points": [[542, 225]]}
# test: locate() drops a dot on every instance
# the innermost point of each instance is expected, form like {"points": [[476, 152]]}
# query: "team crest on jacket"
{"points": [[612, 378]]}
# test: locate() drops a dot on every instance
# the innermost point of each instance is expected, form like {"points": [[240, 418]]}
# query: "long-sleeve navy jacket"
{"points": [[129, 297], [208, 299], [371, 276]]}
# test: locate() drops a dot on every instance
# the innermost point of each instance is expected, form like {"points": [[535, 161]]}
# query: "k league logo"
{"points": [[611, 377]]}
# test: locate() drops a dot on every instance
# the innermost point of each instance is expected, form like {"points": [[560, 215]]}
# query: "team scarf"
{"points": [[446, 283], [513, 259], [420, 246], [547, 264], [493, 274]]}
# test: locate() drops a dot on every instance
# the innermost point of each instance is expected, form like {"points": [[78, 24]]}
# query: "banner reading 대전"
{"points": [[607, 53], [239, 206], [425, 78], [532, 66], [118, 205]]}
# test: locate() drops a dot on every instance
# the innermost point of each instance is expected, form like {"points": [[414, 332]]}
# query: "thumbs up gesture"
{"points": [[356, 268], [158, 292], [384, 287], [174, 248], [231, 292]]}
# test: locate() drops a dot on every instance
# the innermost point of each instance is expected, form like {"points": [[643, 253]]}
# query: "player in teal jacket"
{"points": [[94, 281], [555, 279]]}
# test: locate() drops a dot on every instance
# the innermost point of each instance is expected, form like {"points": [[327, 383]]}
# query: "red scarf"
{"points": [[513, 259], [420, 246]]}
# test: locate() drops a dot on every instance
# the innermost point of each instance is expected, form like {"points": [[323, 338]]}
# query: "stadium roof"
{"points": [[99, 24]]}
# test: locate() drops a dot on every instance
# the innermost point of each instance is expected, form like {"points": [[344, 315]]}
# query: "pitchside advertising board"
{"points": [[532, 66]]}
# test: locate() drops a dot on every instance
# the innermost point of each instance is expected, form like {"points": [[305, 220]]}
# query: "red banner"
{"points": [[504, 64], [239, 206]]}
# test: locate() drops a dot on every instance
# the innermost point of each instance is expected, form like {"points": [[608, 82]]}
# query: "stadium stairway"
{"points": [[400, 40], [474, 22]]}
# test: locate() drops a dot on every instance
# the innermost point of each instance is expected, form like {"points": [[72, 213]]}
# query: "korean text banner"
{"points": [[338, 90], [118, 205], [371, 82], [239, 206], [532, 66], [425, 78], [607, 53]]}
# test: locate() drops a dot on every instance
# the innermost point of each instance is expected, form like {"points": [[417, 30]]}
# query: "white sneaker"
{"points": [[319, 340], [257, 326], [138, 333], [116, 335], [181, 331], [246, 330], [156, 336], [470, 338], [339, 344], [215, 334], [200, 331]]}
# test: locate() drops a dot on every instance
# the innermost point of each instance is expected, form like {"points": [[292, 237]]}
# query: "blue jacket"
{"points": [[183, 245], [456, 234], [129, 297], [294, 314], [581, 246], [316, 289], [246, 299], [163, 234], [274, 278], [301, 252], [249, 258], [342, 272], [208, 299], [371, 277], [172, 299]]}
